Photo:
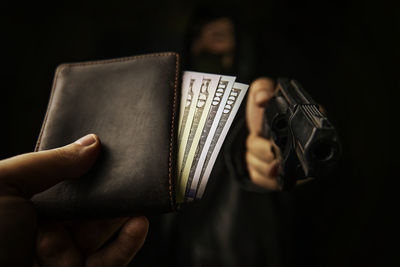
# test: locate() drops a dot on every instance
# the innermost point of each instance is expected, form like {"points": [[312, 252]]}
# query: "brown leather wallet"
{"points": [[131, 104]]}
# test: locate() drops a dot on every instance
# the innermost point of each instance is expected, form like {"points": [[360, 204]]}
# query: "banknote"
{"points": [[208, 94], [195, 83], [202, 133], [186, 96], [204, 99], [208, 157]]}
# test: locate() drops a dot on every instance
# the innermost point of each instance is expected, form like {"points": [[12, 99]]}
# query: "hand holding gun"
{"points": [[290, 139]]}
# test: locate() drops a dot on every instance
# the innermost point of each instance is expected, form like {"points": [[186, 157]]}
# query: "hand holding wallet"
{"points": [[150, 150], [131, 104]]}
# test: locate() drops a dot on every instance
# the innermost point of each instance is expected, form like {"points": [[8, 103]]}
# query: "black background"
{"points": [[345, 53]]}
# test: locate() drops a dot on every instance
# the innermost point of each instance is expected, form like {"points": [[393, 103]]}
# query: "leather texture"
{"points": [[131, 104]]}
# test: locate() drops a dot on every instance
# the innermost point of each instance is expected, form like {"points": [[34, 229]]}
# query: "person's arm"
{"points": [[25, 239]]}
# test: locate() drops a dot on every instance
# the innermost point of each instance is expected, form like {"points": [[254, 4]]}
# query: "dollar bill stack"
{"points": [[208, 106]]}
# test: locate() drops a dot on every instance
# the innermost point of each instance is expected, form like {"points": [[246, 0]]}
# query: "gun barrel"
{"points": [[293, 92], [305, 135]]}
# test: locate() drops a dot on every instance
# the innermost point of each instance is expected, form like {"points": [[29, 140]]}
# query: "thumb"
{"points": [[31, 173], [261, 91]]}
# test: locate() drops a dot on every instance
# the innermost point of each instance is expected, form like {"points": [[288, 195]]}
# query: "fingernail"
{"points": [[87, 140], [261, 97]]}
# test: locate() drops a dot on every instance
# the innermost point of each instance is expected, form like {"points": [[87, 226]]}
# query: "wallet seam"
{"points": [[106, 61], [171, 196], [113, 60]]}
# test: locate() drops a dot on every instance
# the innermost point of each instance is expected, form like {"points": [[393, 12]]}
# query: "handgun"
{"points": [[308, 143]]}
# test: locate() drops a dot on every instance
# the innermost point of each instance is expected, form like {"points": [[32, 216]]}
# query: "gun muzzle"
{"points": [[308, 141]]}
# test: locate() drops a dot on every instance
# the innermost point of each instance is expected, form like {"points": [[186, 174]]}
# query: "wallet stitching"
{"points": [[170, 169], [54, 86], [113, 60]]}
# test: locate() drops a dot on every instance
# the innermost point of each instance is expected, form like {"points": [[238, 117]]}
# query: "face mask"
{"points": [[205, 62]]}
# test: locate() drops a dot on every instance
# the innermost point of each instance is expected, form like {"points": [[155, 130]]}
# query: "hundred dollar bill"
{"points": [[206, 94], [186, 96], [187, 118], [230, 109], [209, 130], [202, 134]]}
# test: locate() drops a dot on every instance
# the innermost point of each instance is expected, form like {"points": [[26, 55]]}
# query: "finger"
{"points": [[270, 169], [121, 251], [260, 92], [267, 169], [32, 173], [91, 235], [268, 182], [260, 147], [55, 247]]}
